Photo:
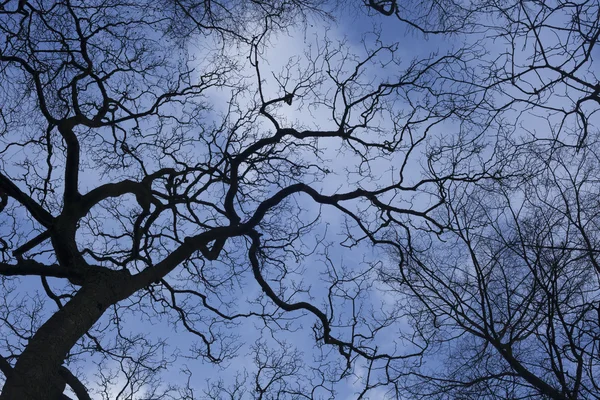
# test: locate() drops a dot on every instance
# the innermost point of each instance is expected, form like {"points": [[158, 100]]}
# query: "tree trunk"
{"points": [[36, 373]]}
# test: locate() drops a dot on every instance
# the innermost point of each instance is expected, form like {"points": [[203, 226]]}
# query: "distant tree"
{"points": [[151, 171], [507, 299]]}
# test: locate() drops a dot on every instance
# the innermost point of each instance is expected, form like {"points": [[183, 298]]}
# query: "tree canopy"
{"points": [[299, 199]]}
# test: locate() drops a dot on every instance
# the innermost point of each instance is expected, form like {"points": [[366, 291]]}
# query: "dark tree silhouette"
{"points": [[149, 172], [508, 300], [160, 166]]}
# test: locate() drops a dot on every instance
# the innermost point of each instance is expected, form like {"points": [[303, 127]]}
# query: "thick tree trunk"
{"points": [[36, 373]]}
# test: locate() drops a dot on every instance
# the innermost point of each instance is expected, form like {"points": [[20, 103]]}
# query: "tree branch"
{"points": [[37, 211], [75, 384], [31, 267], [5, 367]]}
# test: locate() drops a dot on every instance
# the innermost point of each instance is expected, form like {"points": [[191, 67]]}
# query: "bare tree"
{"points": [[507, 299], [150, 171]]}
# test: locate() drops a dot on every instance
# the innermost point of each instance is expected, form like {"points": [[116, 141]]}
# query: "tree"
{"points": [[509, 303], [151, 172], [507, 300]]}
